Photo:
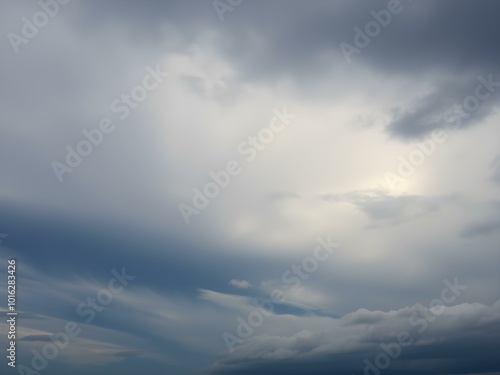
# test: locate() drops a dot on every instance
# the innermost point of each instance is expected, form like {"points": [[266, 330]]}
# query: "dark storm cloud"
{"points": [[455, 103], [450, 35], [431, 37], [426, 35], [271, 40]]}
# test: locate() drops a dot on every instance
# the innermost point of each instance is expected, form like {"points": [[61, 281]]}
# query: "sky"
{"points": [[205, 187]]}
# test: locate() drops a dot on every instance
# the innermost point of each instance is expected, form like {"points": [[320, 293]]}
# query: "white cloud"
{"points": [[242, 284]]}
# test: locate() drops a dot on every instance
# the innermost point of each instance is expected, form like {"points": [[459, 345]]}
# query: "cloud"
{"points": [[495, 166], [343, 346], [120, 207], [230, 301], [128, 354], [446, 106], [382, 207], [242, 284], [482, 228], [279, 195], [42, 338]]}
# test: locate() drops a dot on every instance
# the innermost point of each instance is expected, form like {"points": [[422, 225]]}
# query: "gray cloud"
{"points": [[128, 354], [436, 110], [42, 338], [386, 208], [343, 346], [482, 228], [495, 166], [279, 195], [120, 207]]}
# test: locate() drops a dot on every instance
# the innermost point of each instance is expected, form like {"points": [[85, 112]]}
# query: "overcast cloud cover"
{"points": [[366, 216]]}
